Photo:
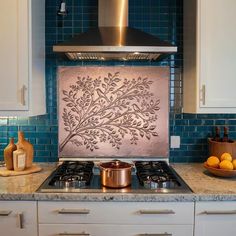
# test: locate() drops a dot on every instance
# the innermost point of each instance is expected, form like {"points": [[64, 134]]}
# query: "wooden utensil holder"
{"points": [[218, 148]]}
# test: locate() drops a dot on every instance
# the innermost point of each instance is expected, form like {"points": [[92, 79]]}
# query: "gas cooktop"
{"points": [[84, 176]]}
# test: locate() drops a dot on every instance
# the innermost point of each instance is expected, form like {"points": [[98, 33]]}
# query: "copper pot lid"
{"points": [[116, 164]]}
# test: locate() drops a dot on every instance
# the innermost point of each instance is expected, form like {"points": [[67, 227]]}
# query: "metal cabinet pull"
{"points": [[165, 234], [203, 94], [156, 212], [73, 234], [233, 212], [23, 95], [5, 212], [74, 211], [20, 220]]}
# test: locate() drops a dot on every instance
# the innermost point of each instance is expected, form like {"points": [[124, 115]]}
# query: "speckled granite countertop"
{"points": [[23, 187], [205, 188]]}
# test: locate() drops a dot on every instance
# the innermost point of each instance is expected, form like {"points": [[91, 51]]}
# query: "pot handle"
{"points": [[99, 165]]}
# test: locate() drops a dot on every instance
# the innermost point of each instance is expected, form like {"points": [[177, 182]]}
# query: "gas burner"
{"points": [[159, 181], [70, 178], [148, 165], [155, 175], [76, 166], [158, 185], [72, 181], [73, 175], [158, 178]]}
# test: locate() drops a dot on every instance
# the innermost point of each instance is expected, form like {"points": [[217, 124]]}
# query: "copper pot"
{"points": [[115, 174]]}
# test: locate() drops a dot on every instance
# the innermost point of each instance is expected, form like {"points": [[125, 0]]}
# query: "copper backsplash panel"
{"points": [[113, 111]]}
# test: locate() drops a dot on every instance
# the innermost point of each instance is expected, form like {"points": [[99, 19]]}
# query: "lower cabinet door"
{"points": [[215, 219], [18, 218], [114, 230]]}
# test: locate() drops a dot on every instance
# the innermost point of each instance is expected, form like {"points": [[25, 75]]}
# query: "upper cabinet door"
{"points": [[14, 65], [22, 58], [217, 50], [209, 56]]}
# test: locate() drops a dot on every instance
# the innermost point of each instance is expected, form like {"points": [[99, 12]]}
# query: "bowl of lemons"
{"points": [[223, 166]]}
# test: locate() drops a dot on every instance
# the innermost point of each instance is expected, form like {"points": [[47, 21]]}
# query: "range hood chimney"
{"points": [[113, 39]]}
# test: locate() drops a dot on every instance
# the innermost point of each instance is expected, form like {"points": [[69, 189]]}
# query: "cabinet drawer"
{"points": [[114, 230], [216, 208], [116, 212]]}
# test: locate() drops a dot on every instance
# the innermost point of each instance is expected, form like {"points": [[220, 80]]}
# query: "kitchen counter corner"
{"points": [[205, 186], [23, 187]]}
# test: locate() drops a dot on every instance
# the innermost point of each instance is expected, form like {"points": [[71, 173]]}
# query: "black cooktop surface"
{"points": [[83, 176]]}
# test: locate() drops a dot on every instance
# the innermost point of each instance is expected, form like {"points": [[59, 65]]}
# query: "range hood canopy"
{"points": [[113, 39]]}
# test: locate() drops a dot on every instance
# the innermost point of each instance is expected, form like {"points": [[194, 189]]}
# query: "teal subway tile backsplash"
{"points": [[12, 128], [163, 18], [43, 141]]}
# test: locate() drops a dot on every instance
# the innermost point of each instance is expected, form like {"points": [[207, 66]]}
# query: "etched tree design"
{"points": [[108, 109]]}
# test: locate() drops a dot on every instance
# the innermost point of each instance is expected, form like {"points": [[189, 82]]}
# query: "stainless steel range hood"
{"points": [[113, 39]]}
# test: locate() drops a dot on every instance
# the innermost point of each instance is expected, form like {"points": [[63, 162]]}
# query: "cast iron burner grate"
{"points": [[73, 174], [156, 174]]}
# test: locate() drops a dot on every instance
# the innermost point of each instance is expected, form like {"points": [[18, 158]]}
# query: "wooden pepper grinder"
{"points": [[27, 147], [8, 154]]}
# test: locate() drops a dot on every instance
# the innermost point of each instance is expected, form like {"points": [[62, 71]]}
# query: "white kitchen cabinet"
{"points": [[215, 219], [114, 230], [22, 58], [116, 218], [209, 56], [18, 218]]}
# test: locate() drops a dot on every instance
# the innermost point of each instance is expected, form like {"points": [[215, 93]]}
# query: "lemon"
{"points": [[234, 164], [213, 161], [226, 165], [226, 156]]}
